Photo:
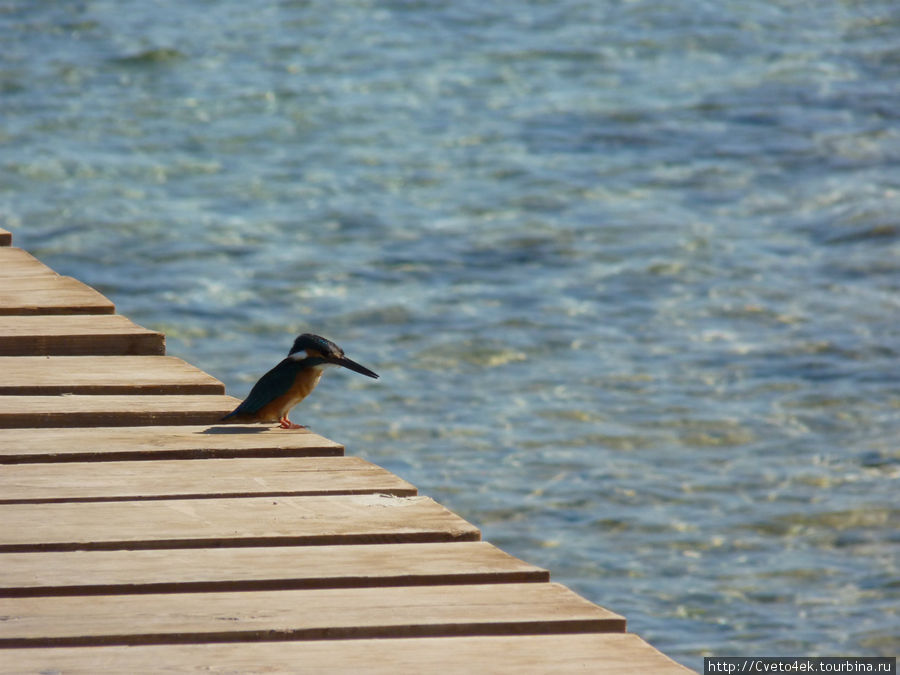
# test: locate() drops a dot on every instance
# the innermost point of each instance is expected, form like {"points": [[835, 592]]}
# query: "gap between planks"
{"points": [[104, 410], [209, 479], [398, 611], [251, 521], [51, 295], [265, 568], [596, 654], [94, 444], [77, 335], [111, 375]]}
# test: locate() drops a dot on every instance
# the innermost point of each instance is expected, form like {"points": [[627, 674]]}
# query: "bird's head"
{"points": [[324, 352]]}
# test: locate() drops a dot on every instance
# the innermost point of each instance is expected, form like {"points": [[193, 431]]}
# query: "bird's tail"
{"points": [[233, 416]]}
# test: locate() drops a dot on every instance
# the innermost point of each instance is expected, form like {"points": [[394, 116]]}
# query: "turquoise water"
{"points": [[629, 270]]}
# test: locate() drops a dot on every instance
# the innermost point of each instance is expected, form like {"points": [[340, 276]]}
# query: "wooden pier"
{"points": [[139, 536]]}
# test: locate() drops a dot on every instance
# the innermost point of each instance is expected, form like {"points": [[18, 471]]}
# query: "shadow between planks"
{"points": [[54, 375], [208, 479], [249, 521], [314, 614], [260, 568], [108, 410], [77, 335], [103, 444], [597, 654], [51, 295]]}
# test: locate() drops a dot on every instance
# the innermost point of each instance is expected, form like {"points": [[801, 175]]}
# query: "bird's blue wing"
{"points": [[273, 384]]}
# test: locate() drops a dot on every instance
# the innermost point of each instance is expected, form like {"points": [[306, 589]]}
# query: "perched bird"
{"points": [[291, 381]]}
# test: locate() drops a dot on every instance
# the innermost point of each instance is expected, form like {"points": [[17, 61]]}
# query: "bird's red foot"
{"points": [[285, 423]]}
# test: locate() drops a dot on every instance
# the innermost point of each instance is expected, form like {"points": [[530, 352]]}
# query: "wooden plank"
{"points": [[52, 375], [16, 262], [582, 654], [252, 521], [316, 614], [109, 411], [5, 237], [254, 569], [77, 335], [196, 479], [162, 442], [51, 295]]}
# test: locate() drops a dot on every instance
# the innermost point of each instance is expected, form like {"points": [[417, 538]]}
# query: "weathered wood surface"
{"points": [[112, 410], [201, 479], [46, 294], [52, 375], [315, 614], [252, 521], [257, 568], [16, 262], [582, 654], [77, 335], [5, 237], [161, 442]]}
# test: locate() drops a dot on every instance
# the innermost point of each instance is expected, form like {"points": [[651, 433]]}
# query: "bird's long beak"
{"points": [[354, 366]]}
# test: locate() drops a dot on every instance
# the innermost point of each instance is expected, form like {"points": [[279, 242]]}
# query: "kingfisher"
{"points": [[291, 381]]}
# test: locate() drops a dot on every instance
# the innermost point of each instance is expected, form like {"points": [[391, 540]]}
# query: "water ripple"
{"points": [[628, 270]]}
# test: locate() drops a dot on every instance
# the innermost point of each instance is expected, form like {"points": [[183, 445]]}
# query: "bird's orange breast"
{"points": [[302, 387]]}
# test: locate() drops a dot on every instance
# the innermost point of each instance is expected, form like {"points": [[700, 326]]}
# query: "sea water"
{"points": [[629, 269]]}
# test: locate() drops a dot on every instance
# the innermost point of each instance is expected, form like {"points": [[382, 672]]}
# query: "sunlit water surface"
{"points": [[629, 270]]}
